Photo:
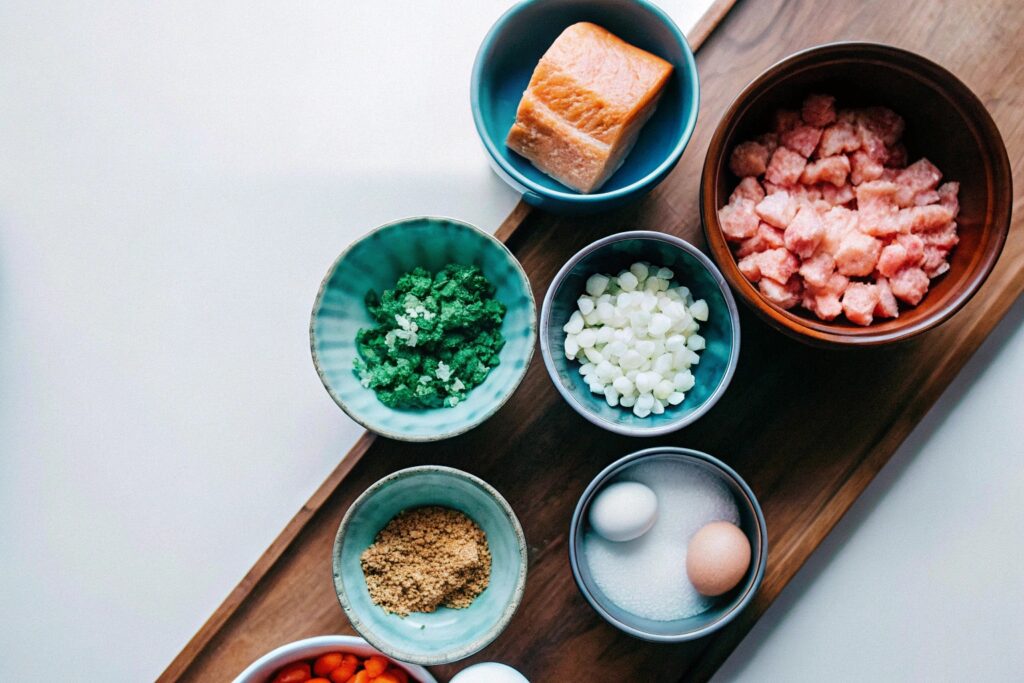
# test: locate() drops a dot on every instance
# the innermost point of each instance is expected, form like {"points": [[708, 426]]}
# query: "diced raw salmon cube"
{"points": [[785, 167], [836, 285], [914, 246], [817, 270], [909, 285], [738, 220], [826, 306], [876, 208], [859, 302], [883, 122], [832, 170], [767, 237], [839, 138], [786, 119], [949, 196], [748, 188], [750, 266], [749, 159], [887, 305], [777, 209], [872, 145], [857, 254], [751, 245], [863, 168], [892, 259], [837, 221], [944, 238], [920, 176], [804, 232], [935, 261], [778, 264], [924, 218], [785, 296], [819, 110], [837, 195], [802, 139], [772, 236], [927, 197]]}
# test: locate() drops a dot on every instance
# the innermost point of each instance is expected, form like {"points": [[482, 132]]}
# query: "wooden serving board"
{"points": [[807, 428]]}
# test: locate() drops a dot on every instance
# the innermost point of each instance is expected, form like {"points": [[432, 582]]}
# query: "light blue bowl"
{"points": [[446, 635], [376, 261], [692, 269], [507, 58]]}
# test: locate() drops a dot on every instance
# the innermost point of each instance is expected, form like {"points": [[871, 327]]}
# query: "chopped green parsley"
{"points": [[436, 338]]}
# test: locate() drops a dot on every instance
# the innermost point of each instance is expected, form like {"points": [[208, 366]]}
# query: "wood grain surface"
{"points": [[807, 428]]}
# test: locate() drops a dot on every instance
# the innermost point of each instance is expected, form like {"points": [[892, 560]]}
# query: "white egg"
{"points": [[489, 672], [624, 511]]}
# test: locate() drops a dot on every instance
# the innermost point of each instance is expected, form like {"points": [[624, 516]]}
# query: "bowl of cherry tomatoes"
{"points": [[331, 659]]}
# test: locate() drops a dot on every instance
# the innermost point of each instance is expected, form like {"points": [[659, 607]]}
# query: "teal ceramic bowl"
{"points": [[507, 58], [376, 261], [693, 269], [726, 607], [446, 635]]}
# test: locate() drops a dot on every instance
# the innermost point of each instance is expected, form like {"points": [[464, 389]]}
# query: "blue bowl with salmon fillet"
{"points": [[506, 62]]}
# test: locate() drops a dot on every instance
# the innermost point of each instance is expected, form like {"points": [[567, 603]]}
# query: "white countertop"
{"points": [[174, 181]]}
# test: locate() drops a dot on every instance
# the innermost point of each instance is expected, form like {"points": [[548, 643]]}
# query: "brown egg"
{"points": [[717, 558]]}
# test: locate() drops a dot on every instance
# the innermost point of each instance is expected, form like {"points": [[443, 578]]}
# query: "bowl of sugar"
{"points": [[702, 548]]}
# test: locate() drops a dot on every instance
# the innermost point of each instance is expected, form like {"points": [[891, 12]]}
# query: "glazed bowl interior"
{"points": [[264, 668], [506, 61], [945, 122], [375, 262], [446, 635], [725, 607], [691, 269]]}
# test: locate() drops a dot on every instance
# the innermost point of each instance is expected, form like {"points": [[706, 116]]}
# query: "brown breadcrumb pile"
{"points": [[427, 557]]}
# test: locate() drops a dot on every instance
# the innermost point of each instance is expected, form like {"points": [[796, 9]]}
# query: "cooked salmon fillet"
{"points": [[589, 96]]}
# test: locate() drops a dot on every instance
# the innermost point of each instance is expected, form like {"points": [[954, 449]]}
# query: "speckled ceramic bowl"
{"points": [[446, 635], [692, 269], [725, 607], [263, 669], [376, 261]]}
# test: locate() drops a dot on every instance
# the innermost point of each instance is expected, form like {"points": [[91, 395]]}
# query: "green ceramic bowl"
{"points": [[692, 269], [376, 261], [446, 635]]}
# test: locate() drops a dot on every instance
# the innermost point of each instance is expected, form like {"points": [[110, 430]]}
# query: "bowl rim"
{"points": [[293, 649], [602, 477], [545, 324], [480, 641], [567, 195], [485, 415], [823, 333]]}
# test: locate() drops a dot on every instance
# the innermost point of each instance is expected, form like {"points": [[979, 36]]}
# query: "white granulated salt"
{"points": [[647, 576]]}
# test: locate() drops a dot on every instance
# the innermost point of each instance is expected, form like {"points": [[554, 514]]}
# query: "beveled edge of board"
{"points": [[704, 27]]}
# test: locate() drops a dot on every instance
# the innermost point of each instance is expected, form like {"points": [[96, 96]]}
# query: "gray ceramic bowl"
{"points": [[727, 606], [446, 635], [692, 269]]}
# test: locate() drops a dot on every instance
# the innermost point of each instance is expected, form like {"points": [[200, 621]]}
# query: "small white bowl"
{"points": [[264, 668]]}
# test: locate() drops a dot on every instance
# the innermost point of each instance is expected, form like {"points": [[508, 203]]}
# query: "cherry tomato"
{"points": [[293, 673]]}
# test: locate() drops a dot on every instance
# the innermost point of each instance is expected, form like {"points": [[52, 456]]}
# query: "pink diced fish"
{"points": [[829, 215]]}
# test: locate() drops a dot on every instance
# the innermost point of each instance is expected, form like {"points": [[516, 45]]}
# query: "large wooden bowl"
{"points": [[945, 122]]}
